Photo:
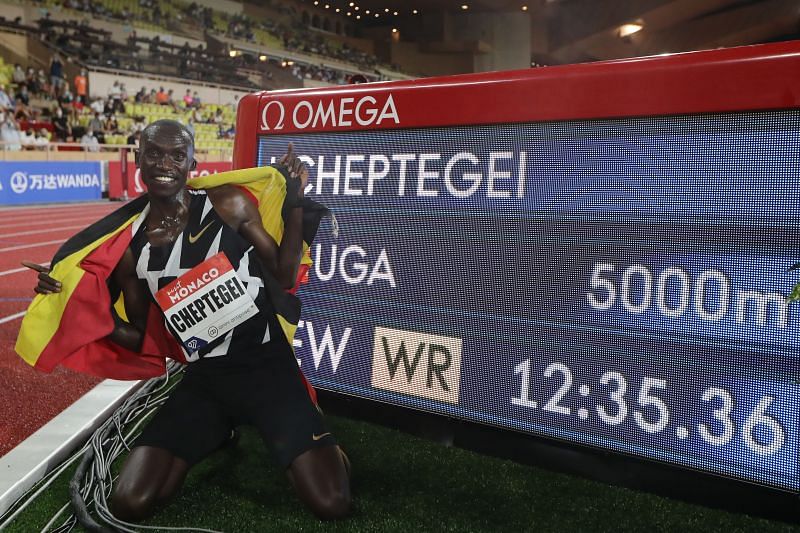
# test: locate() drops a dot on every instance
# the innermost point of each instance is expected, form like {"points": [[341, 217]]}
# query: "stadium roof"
{"points": [[569, 31]]}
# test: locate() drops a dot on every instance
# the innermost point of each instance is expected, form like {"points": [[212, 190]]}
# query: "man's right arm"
{"points": [[130, 334]]}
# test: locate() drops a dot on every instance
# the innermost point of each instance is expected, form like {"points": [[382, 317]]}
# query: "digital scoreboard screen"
{"points": [[619, 283]]}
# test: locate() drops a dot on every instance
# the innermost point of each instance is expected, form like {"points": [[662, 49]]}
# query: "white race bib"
{"points": [[206, 302]]}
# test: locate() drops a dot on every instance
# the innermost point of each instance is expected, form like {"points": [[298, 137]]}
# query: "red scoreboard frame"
{"points": [[748, 78]]}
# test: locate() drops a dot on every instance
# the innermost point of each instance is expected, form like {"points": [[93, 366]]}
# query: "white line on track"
{"points": [[33, 220], [34, 245], [21, 269], [54, 215], [15, 316], [40, 222], [54, 207], [37, 231]]}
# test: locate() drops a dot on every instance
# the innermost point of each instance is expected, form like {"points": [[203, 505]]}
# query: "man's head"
{"points": [[165, 157]]}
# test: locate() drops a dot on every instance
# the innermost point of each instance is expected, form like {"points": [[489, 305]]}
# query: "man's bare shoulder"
{"points": [[233, 205]]}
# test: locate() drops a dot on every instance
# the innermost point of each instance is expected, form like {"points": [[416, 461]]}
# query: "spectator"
{"points": [[187, 98], [153, 46], [6, 102], [28, 139], [56, 73], [81, 87], [141, 96], [9, 134], [31, 81], [115, 96], [161, 97], [74, 120], [22, 112], [96, 123], [98, 106], [18, 76], [196, 100], [41, 80], [217, 119], [42, 139], [23, 95], [171, 100], [133, 138], [66, 96], [111, 127], [90, 142], [197, 116], [226, 133], [61, 125], [152, 97]]}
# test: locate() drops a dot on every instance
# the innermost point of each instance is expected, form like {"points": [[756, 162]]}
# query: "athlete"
{"points": [[247, 376]]}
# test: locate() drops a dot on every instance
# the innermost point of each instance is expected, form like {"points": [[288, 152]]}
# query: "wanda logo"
{"points": [[341, 112]]}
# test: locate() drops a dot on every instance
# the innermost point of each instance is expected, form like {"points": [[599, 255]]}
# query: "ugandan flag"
{"points": [[70, 328]]}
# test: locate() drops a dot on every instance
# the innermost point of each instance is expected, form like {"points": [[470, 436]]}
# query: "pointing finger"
{"points": [[34, 266]]}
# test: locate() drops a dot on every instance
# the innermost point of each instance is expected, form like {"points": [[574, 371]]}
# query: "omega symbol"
{"points": [[281, 116]]}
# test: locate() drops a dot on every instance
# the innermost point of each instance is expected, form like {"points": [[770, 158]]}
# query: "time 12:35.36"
{"points": [[644, 405]]}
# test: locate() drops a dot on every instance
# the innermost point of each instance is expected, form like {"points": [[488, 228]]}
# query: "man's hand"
{"points": [[46, 285], [297, 169]]}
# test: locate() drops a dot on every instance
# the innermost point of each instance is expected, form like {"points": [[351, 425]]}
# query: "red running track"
{"points": [[29, 398]]}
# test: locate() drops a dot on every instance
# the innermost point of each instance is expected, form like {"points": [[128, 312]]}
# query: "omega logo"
{"points": [[339, 113]]}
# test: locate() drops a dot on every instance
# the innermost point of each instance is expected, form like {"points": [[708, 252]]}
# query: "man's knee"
{"points": [[332, 506], [131, 506]]}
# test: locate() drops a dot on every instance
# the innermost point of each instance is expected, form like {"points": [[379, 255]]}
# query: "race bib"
{"points": [[206, 302]]}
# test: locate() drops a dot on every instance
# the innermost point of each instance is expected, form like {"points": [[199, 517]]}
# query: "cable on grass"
{"points": [[91, 486], [94, 485]]}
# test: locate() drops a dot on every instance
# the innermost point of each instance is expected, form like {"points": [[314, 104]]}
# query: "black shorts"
{"points": [[204, 407]]}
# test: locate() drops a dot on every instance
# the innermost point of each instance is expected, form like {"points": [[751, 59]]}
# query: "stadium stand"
{"points": [[153, 45]]}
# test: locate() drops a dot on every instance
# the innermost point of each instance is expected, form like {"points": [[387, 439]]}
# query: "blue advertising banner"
{"points": [[38, 182], [615, 283]]}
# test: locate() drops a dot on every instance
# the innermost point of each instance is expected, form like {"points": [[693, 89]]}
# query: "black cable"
{"points": [[79, 508]]}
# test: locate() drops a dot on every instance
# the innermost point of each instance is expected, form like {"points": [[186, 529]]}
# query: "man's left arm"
{"points": [[284, 260], [239, 212]]}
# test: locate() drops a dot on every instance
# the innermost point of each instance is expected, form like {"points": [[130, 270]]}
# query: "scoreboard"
{"points": [[592, 253]]}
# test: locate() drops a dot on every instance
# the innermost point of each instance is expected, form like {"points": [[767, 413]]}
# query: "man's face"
{"points": [[165, 157]]}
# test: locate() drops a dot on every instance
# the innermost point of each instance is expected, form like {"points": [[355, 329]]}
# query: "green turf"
{"points": [[406, 484]]}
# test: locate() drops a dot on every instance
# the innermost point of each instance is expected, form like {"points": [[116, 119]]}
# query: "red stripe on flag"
{"points": [[80, 342]]}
